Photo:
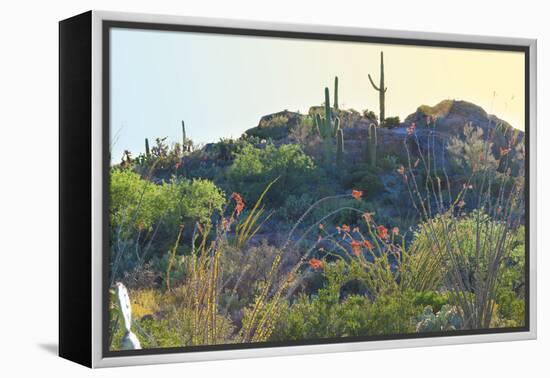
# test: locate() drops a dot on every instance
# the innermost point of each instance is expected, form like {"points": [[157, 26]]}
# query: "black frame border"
{"points": [[75, 189], [108, 25]]}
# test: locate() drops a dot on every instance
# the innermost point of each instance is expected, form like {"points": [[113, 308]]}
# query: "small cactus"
{"points": [[185, 143], [449, 318], [147, 150]]}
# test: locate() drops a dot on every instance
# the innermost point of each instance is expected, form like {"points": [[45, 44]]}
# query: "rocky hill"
{"points": [[442, 121]]}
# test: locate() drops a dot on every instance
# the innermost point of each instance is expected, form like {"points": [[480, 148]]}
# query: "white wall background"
{"points": [[28, 185]]}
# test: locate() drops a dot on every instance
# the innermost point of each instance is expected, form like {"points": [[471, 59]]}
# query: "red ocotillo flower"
{"points": [[239, 203], [356, 248], [382, 232], [316, 264], [357, 194], [367, 244]]}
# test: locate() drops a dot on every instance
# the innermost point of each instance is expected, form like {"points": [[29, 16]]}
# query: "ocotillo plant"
{"points": [[147, 150], [372, 144], [336, 92], [381, 90]]}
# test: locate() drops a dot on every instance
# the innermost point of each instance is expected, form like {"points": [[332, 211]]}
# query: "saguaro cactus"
{"points": [[336, 92], [372, 144], [147, 150], [185, 143], [324, 125], [381, 90], [329, 130]]}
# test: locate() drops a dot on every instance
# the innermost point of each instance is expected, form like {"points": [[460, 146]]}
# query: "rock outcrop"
{"points": [[451, 116]]}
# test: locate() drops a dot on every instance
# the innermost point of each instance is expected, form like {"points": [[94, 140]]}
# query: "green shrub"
{"points": [[433, 265], [363, 177], [133, 201], [369, 114], [254, 168], [137, 203], [226, 149], [430, 266], [295, 205], [431, 298], [511, 291], [389, 162], [390, 122], [161, 161], [145, 217], [326, 314]]}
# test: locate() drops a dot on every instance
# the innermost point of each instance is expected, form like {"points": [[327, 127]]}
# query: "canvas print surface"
{"points": [[286, 191]]}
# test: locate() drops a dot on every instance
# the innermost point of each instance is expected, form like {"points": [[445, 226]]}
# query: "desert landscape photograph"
{"points": [[281, 191]]}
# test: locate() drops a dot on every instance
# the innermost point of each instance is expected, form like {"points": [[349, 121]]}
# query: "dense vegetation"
{"points": [[288, 233]]}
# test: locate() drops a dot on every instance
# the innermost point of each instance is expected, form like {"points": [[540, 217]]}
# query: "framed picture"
{"points": [[232, 189]]}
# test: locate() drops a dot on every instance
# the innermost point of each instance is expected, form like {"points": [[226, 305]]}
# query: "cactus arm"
{"points": [[374, 85], [319, 124], [381, 88], [336, 125], [340, 141]]}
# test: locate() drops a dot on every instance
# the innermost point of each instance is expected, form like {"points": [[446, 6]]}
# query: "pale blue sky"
{"points": [[221, 85]]}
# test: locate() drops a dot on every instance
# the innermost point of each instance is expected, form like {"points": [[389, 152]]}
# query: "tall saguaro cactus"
{"points": [[381, 88], [372, 144], [336, 92]]}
